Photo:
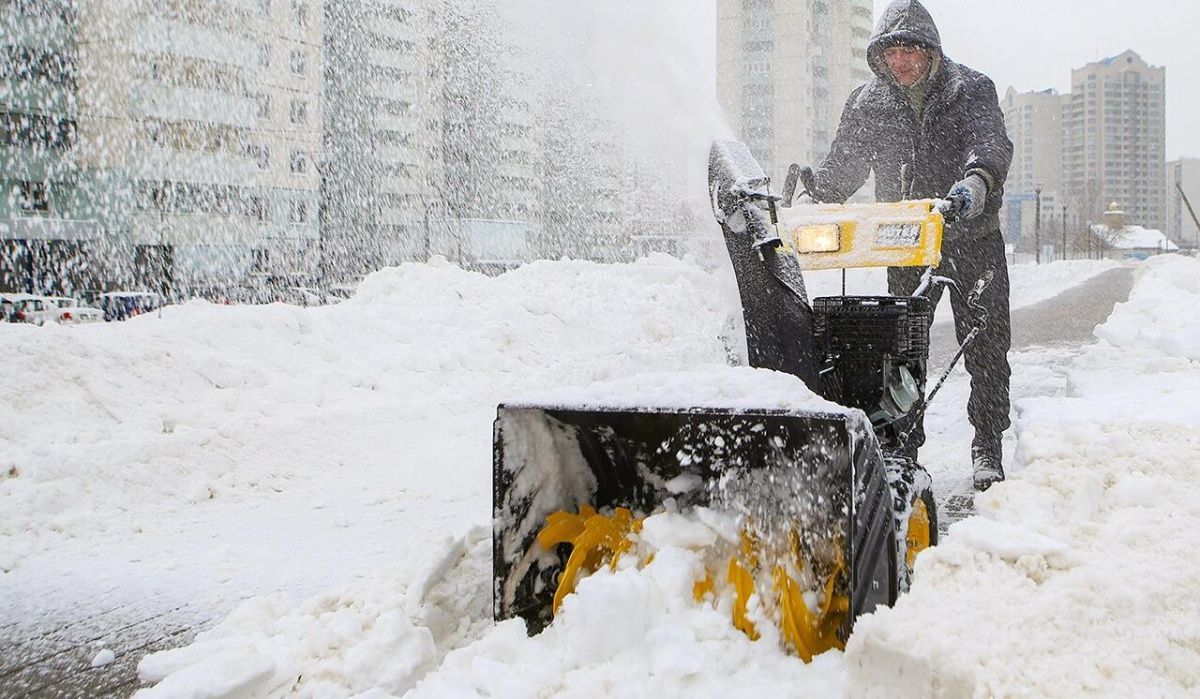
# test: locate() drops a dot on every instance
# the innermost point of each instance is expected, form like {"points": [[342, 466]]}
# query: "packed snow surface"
{"points": [[375, 416]]}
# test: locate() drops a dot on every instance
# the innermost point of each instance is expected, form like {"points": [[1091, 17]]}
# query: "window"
{"points": [[35, 197], [300, 13], [261, 155], [264, 106], [262, 259], [299, 64], [299, 111], [256, 208], [299, 212], [36, 131], [299, 162]]}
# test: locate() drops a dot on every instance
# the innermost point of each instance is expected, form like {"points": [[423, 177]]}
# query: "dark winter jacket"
{"points": [[961, 130]]}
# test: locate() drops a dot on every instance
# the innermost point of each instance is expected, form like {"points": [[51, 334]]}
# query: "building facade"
{"points": [[176, 146], [383, 154], [1114, 139], [41, 229], [1034, 124], [1181, 227], [785, 70]]}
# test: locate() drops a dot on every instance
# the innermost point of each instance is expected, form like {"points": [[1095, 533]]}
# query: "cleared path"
{"points": [[1067, 319], [1064, 321]]}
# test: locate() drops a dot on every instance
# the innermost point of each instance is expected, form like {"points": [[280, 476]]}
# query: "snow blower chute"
{"points": [[830, 511]]}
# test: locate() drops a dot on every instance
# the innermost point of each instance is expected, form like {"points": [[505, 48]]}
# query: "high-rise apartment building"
{"points": [[491, 152], [382, 169], [1114, 139], [785, 70], [1034, 123], [1180, 226], [184, 142], [40, 233]]}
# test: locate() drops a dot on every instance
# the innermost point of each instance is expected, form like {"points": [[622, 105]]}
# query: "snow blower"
{"points": [[831, 510]]}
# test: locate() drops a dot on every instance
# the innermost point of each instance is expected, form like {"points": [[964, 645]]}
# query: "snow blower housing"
{"points": [[834, 513]]}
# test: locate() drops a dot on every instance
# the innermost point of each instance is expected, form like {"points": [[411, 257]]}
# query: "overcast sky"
{"points": [[1034, 44]]}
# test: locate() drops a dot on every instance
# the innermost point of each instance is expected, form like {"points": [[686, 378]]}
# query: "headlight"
{"points": [[898, 235], [819, 238]]}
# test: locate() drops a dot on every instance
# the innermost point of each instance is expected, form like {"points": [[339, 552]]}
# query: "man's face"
{"points": [[907, 63]]}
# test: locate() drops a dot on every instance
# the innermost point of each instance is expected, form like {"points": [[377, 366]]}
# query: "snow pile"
{"points": [[1135, 238], [385, 634], [1146, 321], [1080, 575], [634, 632], [115, 424]]}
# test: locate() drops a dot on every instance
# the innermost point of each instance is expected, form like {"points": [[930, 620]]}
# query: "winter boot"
{"points": [[987, 456]]}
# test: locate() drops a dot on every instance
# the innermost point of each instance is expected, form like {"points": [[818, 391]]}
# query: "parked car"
{"points": [[28, 308], [71, 311], [41, 310], [123, 305]]}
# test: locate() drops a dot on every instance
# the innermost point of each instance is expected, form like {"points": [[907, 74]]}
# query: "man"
{"points": [[931, 128]]}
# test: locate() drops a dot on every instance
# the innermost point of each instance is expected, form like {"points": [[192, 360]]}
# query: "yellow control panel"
{"points": [[851, 236]]}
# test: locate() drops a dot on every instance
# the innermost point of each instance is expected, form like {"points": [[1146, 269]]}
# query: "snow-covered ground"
{"points": [[334, 466]]}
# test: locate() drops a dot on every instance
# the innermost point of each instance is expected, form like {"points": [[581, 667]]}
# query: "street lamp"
{"points": [[1065, 232], [1037, 225]]}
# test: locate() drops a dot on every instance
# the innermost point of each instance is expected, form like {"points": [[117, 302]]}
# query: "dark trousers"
{"points": [[987, 358]]}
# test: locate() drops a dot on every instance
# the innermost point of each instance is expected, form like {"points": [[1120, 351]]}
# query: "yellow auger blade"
{"points": [[919, 536], [795, 620], [743, 587], [598, 540], [594, 538], [563, 527]]}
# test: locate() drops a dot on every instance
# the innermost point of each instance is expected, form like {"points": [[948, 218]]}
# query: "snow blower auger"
{"points": [[829, 512]]}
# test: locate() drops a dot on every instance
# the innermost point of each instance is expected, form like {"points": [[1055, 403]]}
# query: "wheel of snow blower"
{"points": [[921, 532], [915, 513]]}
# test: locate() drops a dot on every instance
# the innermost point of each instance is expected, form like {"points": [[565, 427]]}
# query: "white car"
{"points": [[40, 310], [27, 308], [68, 311]]}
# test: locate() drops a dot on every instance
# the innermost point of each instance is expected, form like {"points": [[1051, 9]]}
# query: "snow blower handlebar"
{"points": [[979, 317]]}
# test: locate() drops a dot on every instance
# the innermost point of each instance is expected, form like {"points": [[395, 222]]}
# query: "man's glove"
{"points": [[808, 180], [968, 198]]}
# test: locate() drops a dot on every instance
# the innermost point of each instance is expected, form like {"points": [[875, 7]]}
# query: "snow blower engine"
{"points": [[828, 510]]}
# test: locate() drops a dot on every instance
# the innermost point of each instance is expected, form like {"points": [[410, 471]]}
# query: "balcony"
{"points": [[36, 165], [188, 104], [155, 35], [399, 154], [48, 31], [39, 228], [390, 89], [156, 228], [189, 166], [37, 97], [397, 124], [393, 58], [393, 29]]}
